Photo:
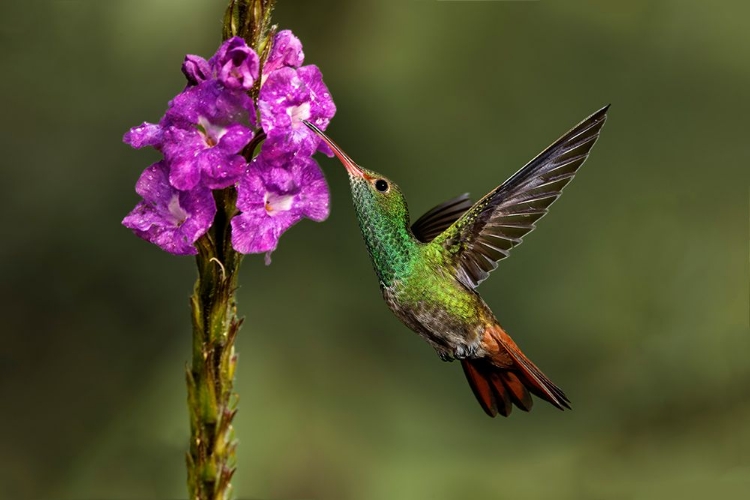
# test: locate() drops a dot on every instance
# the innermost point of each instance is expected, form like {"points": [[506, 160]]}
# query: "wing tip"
{"points": [[602, 113]]}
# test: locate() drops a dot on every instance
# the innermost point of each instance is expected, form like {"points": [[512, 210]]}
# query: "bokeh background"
{"points": [[632, 295]]}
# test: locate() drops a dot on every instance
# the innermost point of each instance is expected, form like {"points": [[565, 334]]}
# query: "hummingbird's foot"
{"points": [[466, 351], [445, 356]]}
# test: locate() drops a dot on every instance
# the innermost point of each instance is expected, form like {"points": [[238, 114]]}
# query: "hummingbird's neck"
{"points": [[389, 241]]}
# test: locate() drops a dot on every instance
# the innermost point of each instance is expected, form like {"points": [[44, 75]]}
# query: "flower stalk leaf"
{"points": [[210, 377]]}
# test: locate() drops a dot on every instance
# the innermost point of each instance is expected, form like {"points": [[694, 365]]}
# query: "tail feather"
{"points": [[498, 384], [502, 395], [479, 381], [517, 390], [497, 390], [538, 383]]}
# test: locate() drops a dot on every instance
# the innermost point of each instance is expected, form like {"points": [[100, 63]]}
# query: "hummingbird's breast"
{"points": [[430, 301]]}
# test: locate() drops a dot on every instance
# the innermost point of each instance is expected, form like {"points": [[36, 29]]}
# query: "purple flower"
{"points": [[272, 199], [167, 217], [286, 51], [196, 69], [236, 65], [204, 133], [201, 135], [288, 97], [145, 134]]}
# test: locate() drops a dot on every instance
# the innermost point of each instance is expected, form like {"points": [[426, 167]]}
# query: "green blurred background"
{"points": [[632, 295]]}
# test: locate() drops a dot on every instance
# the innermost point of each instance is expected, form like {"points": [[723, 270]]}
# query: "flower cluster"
{"points": [[206, 137]]}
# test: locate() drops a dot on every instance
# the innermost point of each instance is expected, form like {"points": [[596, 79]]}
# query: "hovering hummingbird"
{"points": [[429, 271]]}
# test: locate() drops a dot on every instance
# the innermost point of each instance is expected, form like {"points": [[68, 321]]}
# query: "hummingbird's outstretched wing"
{"points": [[439, 218], [496, 223]]}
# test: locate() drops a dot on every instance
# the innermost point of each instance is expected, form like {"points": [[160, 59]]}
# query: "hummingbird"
{"points": [[429, 270]]}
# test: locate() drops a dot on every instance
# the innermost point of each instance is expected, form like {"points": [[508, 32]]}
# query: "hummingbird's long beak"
{"points": [[348, 163]]}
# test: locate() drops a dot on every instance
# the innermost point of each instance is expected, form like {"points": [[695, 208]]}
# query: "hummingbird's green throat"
{"points": [[429, 271]]}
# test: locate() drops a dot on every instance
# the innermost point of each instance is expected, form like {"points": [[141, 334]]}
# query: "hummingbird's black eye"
{"points": [[381, 185]]}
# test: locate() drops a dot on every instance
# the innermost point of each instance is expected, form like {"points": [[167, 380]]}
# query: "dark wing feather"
{"points": [[440, 218], [496, 223]]}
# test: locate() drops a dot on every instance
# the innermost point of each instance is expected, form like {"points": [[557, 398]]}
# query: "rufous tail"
{"points": [[506, 376]]}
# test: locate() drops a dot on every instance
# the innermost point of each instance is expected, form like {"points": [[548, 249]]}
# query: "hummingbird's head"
{"points": [[373, 193], [382, 215]]}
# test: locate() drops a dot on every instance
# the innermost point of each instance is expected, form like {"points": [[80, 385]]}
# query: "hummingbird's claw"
{"points": [[445, 356]]}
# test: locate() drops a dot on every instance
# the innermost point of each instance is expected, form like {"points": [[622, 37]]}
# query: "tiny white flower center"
{"points": [[178, 214], [277, 203], [299, 113], [212, 134]]}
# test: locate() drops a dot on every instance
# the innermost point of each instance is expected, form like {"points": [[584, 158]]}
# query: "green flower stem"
{"points": [[212, 401], [210, 377], [251, 20]]}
